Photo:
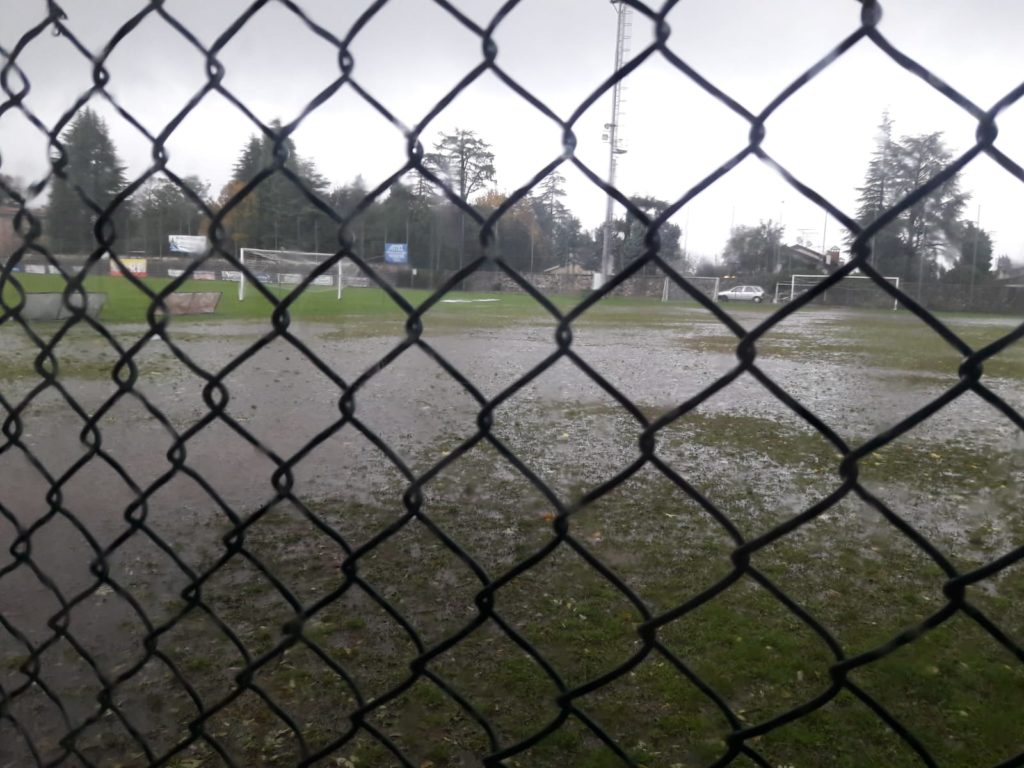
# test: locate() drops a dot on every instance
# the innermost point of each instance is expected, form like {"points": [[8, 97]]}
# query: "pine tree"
{"points": [[465, 163], [276, 214], [973, 246], [634, 235], [910, 247], [95, 168], [877, 193]]}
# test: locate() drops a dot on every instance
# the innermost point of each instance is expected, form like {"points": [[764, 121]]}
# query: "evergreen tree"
{"points": [[877, 193], [973, 247], [911, 247], [560, 231], [345, 200], [631, 234], [277, 214], [94, 166], [752, 250], [465, 163]]}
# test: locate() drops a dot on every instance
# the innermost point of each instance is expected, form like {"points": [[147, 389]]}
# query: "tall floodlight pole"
{"points": [[623, 11]]}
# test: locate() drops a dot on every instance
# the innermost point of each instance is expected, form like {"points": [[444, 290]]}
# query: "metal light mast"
{"points": [[622, 38]]}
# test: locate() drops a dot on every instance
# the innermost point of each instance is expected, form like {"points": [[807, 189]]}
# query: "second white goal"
{"points": [[290, 268]]}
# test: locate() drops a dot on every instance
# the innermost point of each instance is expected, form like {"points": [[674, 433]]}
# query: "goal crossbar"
{"points": [[304, 259], [804, 282], [706, 285]]}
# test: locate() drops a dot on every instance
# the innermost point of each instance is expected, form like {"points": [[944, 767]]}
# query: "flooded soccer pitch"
{"points": [[152, 569]]}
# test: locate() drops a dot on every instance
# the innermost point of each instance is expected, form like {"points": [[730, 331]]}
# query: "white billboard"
{"points": [[195, 245]]}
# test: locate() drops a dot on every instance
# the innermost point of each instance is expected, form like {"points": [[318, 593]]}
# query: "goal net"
{"points": [[851, 291], [287, 269], [671, 291]]}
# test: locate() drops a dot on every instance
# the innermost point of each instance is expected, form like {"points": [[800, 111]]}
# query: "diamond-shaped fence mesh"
{"points": [[450, 565]]}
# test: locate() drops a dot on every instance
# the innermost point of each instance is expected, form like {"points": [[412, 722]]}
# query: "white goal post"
{"points": [[851, 290], [289, 268], [671, 291]]}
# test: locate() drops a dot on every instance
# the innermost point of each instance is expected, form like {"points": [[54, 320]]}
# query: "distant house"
{"points": [[1013, 275], [800, 258]]}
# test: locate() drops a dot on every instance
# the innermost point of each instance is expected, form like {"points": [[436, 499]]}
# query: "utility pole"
{"points": [[622, 38]]}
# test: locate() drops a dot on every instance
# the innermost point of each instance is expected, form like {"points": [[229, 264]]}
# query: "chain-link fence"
{"points": [[150, 650]]}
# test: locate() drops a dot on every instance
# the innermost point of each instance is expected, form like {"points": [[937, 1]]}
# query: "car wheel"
{"points": [[757, 299]]}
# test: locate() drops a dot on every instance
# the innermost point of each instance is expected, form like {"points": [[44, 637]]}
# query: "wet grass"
{"points": [[959, 691], [955, 688], [876, 338]]}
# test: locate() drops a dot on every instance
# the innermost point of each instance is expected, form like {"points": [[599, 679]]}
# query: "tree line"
{"points": [[537, 232], [930, 241]]}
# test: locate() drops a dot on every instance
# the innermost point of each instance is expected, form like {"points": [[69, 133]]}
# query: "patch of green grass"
{"points": [[844, 337], [955, 688], [127, 303]]}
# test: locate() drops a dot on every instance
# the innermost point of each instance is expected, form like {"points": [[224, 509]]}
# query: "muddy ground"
{"points": [[743, 447]]}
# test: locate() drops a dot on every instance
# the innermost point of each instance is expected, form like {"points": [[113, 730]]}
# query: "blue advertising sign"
{"points": [[396, 253]]}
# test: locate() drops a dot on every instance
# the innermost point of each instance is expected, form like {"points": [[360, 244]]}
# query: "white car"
{"points": [[754, 293]]}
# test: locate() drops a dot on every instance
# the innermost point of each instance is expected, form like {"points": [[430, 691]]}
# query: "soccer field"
{"points": [[284, 506], [127, 304]]}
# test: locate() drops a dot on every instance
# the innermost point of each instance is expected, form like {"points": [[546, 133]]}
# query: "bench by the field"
{"points": [[49, 307], [193, 302]]}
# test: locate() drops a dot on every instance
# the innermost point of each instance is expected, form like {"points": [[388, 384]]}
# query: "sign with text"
{"points": [[198, 303], [195, 245], [396, 253], [136, 266]]}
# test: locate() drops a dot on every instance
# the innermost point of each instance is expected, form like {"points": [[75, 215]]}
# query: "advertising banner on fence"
{"points": [[396, 253], [194, 245], [290, 278], [323, 280], [136, 266], [204, 275], [231, 275], [201, 303], [35, 269], [175, 272]]}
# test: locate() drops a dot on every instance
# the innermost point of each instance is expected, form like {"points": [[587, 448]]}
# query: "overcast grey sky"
{"points": [[413, 52]]}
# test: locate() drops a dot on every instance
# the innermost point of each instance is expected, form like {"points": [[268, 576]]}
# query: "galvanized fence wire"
{"points": [[125, 373]]}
